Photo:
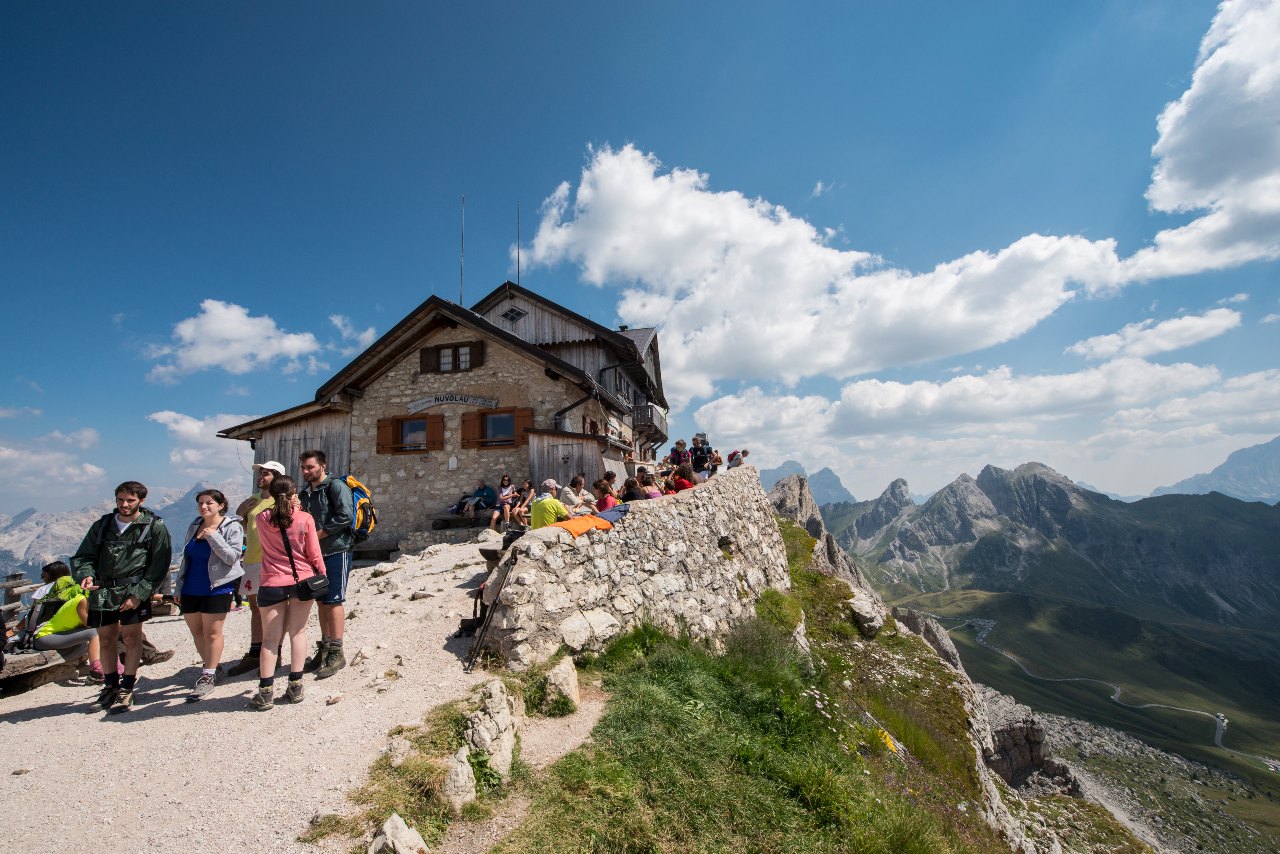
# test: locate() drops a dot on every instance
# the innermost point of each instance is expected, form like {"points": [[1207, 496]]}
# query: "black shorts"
{"points": [[219, 604], [140, 614], [268, 596]]}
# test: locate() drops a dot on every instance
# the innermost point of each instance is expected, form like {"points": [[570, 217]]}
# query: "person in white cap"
{"points": [[546, 507], [248, 510]]}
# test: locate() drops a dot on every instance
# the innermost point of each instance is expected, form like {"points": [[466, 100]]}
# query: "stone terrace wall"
{"points": [[697, 561]]}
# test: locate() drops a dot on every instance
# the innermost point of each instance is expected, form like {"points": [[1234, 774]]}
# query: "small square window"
{"points": [[500, 428], [413, 434], [513, 314]]}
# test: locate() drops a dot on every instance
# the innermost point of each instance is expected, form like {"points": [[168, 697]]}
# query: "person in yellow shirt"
{"points": [[248, 511], [68, 628], [546, 507]]}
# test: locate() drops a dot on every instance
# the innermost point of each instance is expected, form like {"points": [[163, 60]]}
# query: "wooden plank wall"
{"points": [[561, 457], [328, 431], [540, 325]]}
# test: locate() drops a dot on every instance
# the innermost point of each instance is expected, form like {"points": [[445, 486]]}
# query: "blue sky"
{"points": [[896, 239]]}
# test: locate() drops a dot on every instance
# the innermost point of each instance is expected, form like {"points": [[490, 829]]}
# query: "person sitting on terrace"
{"points": [[507, 498], [683, 479], [631, 490], [482, 499], [605, 499], [576, 499], [649, 485], [611, 480], [546, 508]]}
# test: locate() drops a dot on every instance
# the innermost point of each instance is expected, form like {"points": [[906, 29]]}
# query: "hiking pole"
{"points": [[470, 661]]}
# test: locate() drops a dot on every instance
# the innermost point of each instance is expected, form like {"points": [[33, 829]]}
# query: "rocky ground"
{"points": [[176, 776], [1172, 803]]}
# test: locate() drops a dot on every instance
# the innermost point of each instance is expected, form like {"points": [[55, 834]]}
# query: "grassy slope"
{"points": [[758, 750]]}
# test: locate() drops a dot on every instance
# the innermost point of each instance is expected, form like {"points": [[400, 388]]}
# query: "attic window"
{"points": [[513, 314]]}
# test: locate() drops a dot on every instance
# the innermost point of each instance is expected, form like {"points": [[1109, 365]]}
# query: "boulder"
{"points": [[491, 729], [459, 787], [396, 837], [562, 681], [868, 613]]}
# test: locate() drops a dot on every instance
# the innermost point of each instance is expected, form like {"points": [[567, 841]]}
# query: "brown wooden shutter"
{"points": [[471, 430], [387, 439], [477, 354], [523, 419], [435, 432], [429, 360]]}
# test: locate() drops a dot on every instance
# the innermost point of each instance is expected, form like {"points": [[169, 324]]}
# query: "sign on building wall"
{"points": [[438, 399]]}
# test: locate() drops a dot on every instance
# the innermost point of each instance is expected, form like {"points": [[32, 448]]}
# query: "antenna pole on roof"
{"points": [[517, 243], [462, 257]]}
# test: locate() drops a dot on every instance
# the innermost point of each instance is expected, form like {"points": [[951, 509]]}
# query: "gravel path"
{"points": [[177, 776]]}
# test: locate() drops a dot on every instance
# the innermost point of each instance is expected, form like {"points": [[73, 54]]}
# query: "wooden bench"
{"points": [[441, 521], [23, 671]]}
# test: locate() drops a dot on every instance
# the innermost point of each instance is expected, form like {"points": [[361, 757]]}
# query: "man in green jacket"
{"points": [[120, 563]]}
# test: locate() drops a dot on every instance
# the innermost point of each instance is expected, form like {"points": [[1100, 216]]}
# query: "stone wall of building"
{"points": [[695, 562], [409, 488]]}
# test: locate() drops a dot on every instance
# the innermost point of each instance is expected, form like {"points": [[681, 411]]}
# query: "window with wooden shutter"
{"points": [[410, 434], [496, 428], [471, 430], [386, 435], [451, 358], [524, 419], [435, 432]]}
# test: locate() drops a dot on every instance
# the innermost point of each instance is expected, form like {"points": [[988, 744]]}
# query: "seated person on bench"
{"points": [[483, 498]]}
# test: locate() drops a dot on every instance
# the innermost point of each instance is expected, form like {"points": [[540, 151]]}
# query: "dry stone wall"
{"points": [[695, 562]]}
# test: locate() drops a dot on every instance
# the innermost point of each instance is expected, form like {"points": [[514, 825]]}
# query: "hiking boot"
{"points": [[95, 677], [122, 703], [334, 661], [203, 688], [244, 665], [105, 697], [293, 693], [314, 662], [263, 699], [158, 658]]}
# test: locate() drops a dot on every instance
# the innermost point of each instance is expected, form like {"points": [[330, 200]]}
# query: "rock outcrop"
{"points": [[491, 729], [1018, 752], [792, 499]]}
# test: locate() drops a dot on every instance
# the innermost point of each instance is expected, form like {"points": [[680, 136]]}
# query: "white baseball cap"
{"points": [[272, 465]]}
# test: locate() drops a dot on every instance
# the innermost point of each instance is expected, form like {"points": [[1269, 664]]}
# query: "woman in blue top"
{"points": [[207, 574]]}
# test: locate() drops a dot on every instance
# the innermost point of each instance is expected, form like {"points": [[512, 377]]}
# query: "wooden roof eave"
{"points": [[253, 429]]}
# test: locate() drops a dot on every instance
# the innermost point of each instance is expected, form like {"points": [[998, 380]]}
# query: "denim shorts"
{"points": [[337, 567]]}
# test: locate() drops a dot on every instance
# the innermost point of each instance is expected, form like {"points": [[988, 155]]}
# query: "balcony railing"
{"points": [[648, 418]]}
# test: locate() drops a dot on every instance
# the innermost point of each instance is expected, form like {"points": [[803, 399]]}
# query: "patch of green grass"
{"points": [[779, 609]]}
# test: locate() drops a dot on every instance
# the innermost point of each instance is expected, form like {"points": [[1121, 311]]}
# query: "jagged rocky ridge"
{"points": [[1250, 474], [1209, 557], [1010, 746]]}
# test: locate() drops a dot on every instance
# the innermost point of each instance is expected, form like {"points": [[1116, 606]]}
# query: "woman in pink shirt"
{"points": [[290, 554]]}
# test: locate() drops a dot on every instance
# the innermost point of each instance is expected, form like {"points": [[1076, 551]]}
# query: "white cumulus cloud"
{"points": [[83, 438], [1147, 338], [44, 471], [356, 339], [225, 336], [197, 451]]}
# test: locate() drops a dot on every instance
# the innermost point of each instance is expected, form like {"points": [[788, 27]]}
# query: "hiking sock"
{"points": [[111, 680], [267, 682], [255, 648], [128, 681], [295, 676], [207, 671], [95, 666]]}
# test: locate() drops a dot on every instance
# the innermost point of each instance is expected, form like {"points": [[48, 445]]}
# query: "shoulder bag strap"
{"points": [[288, 549]]}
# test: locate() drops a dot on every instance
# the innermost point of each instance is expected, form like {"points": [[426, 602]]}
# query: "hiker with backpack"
{"points": [[331, 505], [209, 572], [292, 566], [121, 561], [248, 510]]}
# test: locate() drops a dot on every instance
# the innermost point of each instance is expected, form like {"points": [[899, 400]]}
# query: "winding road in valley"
{"points": [[983, 627]]}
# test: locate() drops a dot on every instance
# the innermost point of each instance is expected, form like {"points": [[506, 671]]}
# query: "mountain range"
{"points": [[1250, 474], [30, 539], [824, 485], [1032, 530]]}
